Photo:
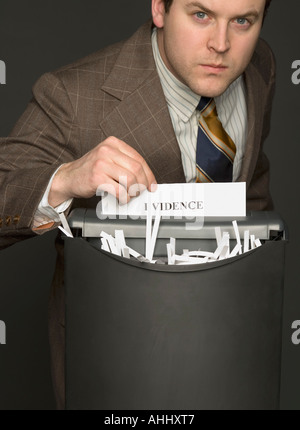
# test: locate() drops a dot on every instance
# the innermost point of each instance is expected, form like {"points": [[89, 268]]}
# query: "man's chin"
{"points": [[211, 88]]}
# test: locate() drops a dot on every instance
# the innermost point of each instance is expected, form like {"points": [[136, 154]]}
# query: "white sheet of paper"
{"points": [[218, 235], [120, 239], [236, 250], [184, 200], [246, 240], [148, 234], [237, 236], [154, 234], [125, 252], [225, 199], [105, 245], [258, 243], [65, 232], [66, 228], [111, 242]]}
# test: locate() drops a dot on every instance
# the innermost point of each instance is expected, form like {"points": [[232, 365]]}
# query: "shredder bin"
{"points": [[143, 336]]}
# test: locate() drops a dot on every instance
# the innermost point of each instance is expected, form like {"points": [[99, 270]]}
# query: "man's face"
{"points": [[207, 44]]}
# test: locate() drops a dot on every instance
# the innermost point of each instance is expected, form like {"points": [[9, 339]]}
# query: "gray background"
{"points": [[37, 36]]}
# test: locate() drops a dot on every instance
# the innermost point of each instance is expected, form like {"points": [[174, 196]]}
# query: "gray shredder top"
{"points": [[264, 225]]}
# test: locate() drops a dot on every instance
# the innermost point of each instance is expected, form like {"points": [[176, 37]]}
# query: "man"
{"points": [[130, 111]]}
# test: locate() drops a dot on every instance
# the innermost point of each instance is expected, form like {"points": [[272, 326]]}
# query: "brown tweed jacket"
{"points": [[116, 92]]}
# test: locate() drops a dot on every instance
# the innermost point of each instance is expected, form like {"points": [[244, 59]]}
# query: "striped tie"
{"points": [[215, 149]]}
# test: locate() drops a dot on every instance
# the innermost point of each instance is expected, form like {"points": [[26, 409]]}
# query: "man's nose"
{"points": [[219, 38]]}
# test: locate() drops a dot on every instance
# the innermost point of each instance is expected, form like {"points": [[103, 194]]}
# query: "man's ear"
{"points": [[158, 13]]}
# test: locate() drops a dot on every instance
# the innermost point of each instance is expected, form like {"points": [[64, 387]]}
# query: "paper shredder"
{"points": [[142, 336]]}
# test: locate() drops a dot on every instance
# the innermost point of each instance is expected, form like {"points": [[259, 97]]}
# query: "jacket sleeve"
{"points": [[45, 137]]}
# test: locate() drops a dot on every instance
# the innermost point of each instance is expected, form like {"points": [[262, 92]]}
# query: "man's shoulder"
{"points": [[94, 68], [89, 71], [263, 62], [264, 50], [96, 62], [263, 57]]}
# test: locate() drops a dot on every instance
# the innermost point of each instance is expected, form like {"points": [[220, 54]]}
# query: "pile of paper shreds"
{"points": [[117, 245]]}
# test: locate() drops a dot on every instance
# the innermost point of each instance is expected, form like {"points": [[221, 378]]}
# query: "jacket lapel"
{"points": [[255, 93], [140, 115]]}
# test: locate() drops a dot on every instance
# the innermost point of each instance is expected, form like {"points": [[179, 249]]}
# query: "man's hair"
{"points": [[168, 4]]}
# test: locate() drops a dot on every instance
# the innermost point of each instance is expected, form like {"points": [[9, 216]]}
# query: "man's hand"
{"points": [[112, 166]]}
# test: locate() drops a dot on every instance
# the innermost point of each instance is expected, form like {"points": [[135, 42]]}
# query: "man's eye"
{"points": [[242, 21], [201, 15]]}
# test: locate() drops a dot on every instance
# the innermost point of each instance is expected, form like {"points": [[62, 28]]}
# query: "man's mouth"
{"points": [[214, 68]]}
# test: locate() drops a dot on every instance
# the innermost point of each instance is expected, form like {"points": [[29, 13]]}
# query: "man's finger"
{"points": [[124, 148]]}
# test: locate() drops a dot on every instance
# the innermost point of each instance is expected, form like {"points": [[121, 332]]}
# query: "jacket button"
{"points": [[16, 219], [8, 220]]}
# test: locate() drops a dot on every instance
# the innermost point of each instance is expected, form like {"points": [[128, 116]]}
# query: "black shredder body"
{"points": [[143, 336]]}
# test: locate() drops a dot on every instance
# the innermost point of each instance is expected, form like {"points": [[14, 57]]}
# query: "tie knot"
{"points": [[204, 102]]}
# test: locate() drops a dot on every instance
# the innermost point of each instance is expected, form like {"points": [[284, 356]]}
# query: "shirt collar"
{"points": [[178, 96]]}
